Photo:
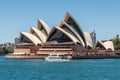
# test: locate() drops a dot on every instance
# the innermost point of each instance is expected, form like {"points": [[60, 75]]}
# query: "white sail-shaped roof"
{"points": [[74, 24], [42, 26], [55, 35], [31, 37], [106, 45], [100, 44], [38, 34], [68, 34], [109, 45], [70, 30], [88, 39]]}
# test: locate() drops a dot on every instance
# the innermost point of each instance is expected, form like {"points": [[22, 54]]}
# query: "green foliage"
{"points": [[116, 42], [103, 41], [10, 49], [116, 47], [4, 50]]}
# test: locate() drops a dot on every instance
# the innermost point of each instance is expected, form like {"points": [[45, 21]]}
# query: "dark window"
{"points": [[59, 37], [72, 23]]}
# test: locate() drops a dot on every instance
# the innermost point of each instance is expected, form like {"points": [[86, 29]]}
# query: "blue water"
{"points": [[104, 69]]}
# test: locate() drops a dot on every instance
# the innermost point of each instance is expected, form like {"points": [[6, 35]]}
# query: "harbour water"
{"points": [[36, 69]]}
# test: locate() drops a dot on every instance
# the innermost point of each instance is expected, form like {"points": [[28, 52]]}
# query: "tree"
{"points": [[116, 42], [4, 50]]}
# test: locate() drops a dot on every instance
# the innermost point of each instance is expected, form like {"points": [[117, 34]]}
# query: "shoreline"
{"points": [[72, 57]]}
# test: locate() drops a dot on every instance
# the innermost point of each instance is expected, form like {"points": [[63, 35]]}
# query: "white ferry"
{"points": [[57, 58]]}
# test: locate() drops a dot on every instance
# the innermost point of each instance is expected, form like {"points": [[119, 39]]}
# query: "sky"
{"points": [[17, 16]]}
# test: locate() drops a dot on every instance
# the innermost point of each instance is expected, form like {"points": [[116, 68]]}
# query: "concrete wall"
{"points": [[53, 52], [21, 50]]}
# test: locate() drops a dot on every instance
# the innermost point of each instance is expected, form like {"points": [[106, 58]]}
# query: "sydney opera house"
{"points": [[66, 38]]}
